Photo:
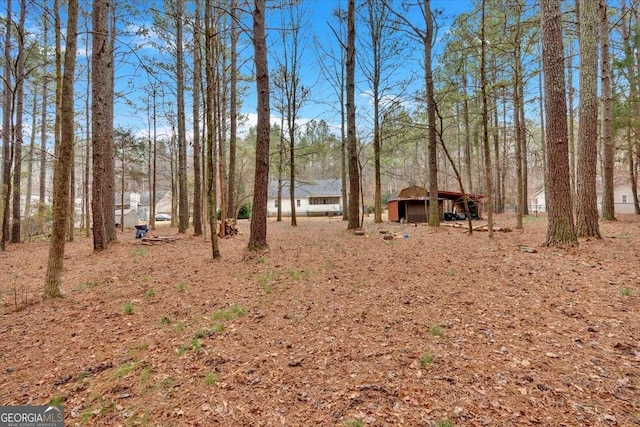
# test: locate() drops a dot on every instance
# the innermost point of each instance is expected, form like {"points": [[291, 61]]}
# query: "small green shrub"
{"points": [[226, 314], [353, 422], [146, 373], [125, 369], [203, 333], [436, 330], [426, 359], [149, 293], [127, 308], [138, 252], [56, 401], [195, 345], [210, 378], [626, 292]]}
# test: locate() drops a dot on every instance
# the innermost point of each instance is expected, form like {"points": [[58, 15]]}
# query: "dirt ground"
{"points": [[437, 328]]}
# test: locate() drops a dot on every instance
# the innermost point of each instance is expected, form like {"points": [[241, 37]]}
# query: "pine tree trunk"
{"points": [[197, 81], [258, 233], [434, 215], [211, 146], [183, 201], [572, 115], [587, 207], [99, 124], [352, 145], [7, 139], [110, 164], [232, 207], [560, 229], [17, 168], [43, 118], [608, 155], [485, 125], [32, 147], [64, 162]]}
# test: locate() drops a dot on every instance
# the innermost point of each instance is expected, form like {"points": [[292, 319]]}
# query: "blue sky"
{"points": [[323, 101]]}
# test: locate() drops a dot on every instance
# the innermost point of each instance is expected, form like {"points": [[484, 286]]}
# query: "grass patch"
{"points": [[138, 252], [164, 321], [179, 326], [180, 287], [436, 330], [56, 401], [125, 369], [127, 308], [210, 378], [353, 422], [183, 349], [149, 293], [229, 313], [426, 359], [203, 333], [216, 328], [146, 374], [195, 345], [297, 274], [87, 284], [626, 292], [99, 407], [444, 423], [530, 218]]}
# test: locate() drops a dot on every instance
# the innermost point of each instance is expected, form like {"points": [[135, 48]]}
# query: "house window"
{"points": [[298, 203], [624, 198], [324, 200]]}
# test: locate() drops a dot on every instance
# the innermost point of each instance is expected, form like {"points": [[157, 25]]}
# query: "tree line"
{"points": [[515, 95]]}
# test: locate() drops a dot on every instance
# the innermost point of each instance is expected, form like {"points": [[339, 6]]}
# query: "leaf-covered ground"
{"points": [[331, 329]]}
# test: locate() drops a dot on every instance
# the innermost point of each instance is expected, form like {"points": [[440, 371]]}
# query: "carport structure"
{"points": [[412, 205]]}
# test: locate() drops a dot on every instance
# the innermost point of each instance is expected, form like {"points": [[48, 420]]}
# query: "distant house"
{"points": [[412, 205], [163, 204], [622, 200], [538, 201], [131, 218], [131, 200], [322, 197]]}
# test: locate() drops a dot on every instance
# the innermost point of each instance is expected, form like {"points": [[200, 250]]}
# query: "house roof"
{"points": [[417, 192], [315, 188], [145, 196], [126, 212]]}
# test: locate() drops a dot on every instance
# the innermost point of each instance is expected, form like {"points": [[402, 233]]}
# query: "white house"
{"points": [[130, 217], [322, 197], [163, 204], [538, 201], [622, 200]]}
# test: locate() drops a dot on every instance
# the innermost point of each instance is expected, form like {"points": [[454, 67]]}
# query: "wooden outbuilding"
{"points": [[412, 205]]}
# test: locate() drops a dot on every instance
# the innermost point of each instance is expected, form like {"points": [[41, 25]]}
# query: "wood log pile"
{"points": [[481, 227], [230, 227], [157, 240]]}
